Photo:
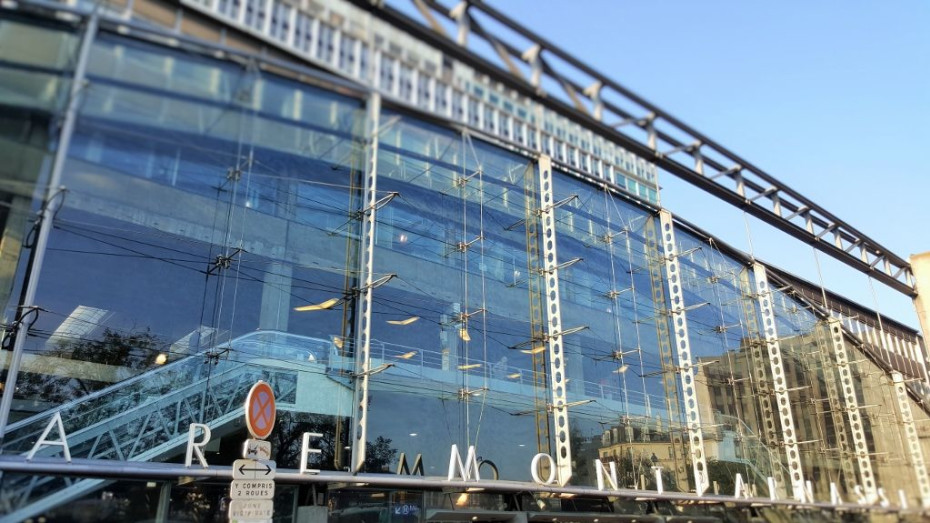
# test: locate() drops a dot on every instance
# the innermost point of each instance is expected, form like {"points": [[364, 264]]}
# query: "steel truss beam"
{"points": [[683, 343], [779, 382], [595, 101], [363, 331]]}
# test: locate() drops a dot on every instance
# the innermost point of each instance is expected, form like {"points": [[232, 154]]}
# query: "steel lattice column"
{"points": [[913, 442], [534, 282], [683, 343], [860, 446], [760, 376], [554, 329], [780, 387], [363, 330], [830, 360], [654, 261]]}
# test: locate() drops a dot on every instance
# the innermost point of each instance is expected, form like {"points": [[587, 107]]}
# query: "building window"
{"points": [[489, 118], [423, 95], [406, 83], [442, 103], [255, 14], [324, 46], [363, 61], [387, 74], [280, 21], [303, 33], [347, 54], [474, 117], [229, 8], [458, 108]]}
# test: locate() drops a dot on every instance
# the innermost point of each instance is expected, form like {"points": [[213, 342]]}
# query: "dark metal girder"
{"points": [[821, 229]]}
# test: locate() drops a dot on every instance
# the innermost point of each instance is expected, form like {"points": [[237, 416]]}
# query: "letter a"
{"points": [[63, 442]]}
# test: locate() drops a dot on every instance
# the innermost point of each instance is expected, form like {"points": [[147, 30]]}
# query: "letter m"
{"points": [[402, 467], [464, 470]]}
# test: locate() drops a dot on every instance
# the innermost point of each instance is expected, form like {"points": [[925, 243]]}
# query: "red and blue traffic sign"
{"points": [[260, 410]]}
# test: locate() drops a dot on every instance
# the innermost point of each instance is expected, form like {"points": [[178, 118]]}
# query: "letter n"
{"points": [[602, 475]]}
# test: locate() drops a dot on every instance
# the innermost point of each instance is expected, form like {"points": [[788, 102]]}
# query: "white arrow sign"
{"points": [[253, 469]]}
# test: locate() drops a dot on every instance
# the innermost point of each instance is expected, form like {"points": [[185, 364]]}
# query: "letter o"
{"points": [[494, 472], [534, 469]]}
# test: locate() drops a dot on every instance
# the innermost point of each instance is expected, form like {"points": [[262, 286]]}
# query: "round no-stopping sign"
{"points": [[260, 410]]}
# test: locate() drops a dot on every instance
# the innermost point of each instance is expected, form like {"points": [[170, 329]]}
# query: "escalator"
{"points": [[147, 417]]}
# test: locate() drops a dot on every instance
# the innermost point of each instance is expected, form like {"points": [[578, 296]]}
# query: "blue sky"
{"points": [[832, 98]]}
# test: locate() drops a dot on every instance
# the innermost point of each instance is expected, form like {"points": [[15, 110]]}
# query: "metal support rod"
{"points": [[367, 246], [779, 382], [164, 503], [554, 327], [913, 441], [851, 402], [683, 343], [45, 218]]}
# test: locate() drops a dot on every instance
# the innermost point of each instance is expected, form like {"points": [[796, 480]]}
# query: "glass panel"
{"points": [[208, 214], [35, 71], [615, 363], [453, 319], [732, 374]]}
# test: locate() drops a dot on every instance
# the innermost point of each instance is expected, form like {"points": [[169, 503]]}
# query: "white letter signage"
{"points": [[63, 442], [196, 447], [464, 470]]}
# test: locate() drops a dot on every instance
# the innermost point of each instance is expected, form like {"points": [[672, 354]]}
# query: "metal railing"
{"points": [[147, 417]]}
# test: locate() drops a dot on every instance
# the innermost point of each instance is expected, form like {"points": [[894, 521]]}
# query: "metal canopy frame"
{"points": [[592, 99], [95, 468]]}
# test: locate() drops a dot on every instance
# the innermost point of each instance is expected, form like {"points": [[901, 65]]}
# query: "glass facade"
{"points": [[210, 233]]}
